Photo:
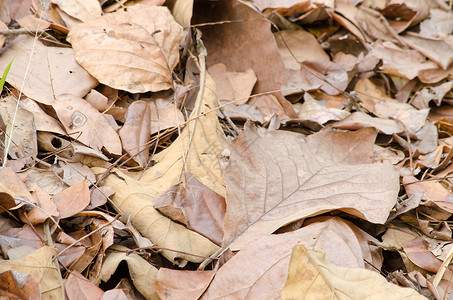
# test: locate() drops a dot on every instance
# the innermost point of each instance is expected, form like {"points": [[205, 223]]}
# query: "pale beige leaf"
{"points": [[181, 10], [310, 276], [164, 114], [39, 264], [143, 274], [136, 196], [86, 124], [281, 177], [318, 112], [359, 120], [141, 43], [412, 118], [43, 121], [20, 128], [247, 274], [54, 70], [83, 10]]}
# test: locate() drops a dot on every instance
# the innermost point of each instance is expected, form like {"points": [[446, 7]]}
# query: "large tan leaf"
{"points": [[310, 276], [53, 70], [247, 275], [278, 178], [133, 50], [200, 158], [86, 124]]}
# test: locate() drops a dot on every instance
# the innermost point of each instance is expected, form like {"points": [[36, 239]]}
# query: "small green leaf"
{"points": [[3, 80]]}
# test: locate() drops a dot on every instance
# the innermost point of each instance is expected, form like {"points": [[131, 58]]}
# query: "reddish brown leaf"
{"points": [[72, 200], [15, 285], [177, 284], [78, 287]]}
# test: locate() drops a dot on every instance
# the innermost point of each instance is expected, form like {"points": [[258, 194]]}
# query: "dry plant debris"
{"points": [[230, 149]]}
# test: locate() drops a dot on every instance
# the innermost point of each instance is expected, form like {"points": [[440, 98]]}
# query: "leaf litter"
{"points": [[226, 149]]}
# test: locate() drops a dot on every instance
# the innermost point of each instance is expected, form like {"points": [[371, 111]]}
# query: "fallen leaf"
{"points": [[72, 200], [78, 287], [435, 49], [143, 274], [137, 196], [19, 285], [315, 110], [413, 118], [311, 275], [297, 46], [143, 45], [281, 177], [54, 71], [84, 11], [196, 206], [40, 265], [257, 49], [135, 132], [179, 284], [248, 273], [85, 124], [164, 114], [358, 120]]}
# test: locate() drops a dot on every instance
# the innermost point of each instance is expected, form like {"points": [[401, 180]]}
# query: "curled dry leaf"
{"points": [[281, 177], [143, 274], [82, 10], [312, 276], [54, 71], [142, 43], [86, 124]]}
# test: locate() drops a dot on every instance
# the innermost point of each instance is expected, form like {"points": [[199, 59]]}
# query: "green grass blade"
{"points": [[3, 80]]}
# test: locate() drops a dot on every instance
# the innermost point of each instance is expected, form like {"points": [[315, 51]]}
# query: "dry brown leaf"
{"points": [[14, 193], [417, 251], [247, 274], [437, 25], [82, 10], [435, 49], [281, 177], [54, 71], [369, 93], [40, 265], [310, 276], [77, 287], [397, 61], [314, 110], [196, 206], [85, 124], [136, 196], [33, 23], [143, 274], [19, 286], [42, 121], [232, 85], [404, 14], [164, 114], [436, 93], [243, 45], [358, 120], [433, 192], [179, 284], [46, 207], [72, 200], [332, 77], [297, 46], [46, 179], [135, 132], [411, 117], [142, 43]]}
